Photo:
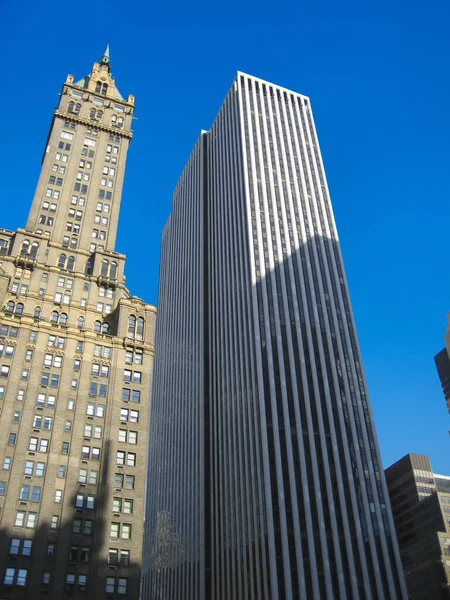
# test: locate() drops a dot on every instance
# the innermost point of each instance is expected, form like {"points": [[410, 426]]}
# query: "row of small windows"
{"points": [[56, 317]]}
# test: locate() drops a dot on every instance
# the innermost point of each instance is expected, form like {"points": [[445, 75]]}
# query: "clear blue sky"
{"points": [[378, 77]]}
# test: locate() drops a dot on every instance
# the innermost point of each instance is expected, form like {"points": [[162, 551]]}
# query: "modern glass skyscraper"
{"points": [[265, 479]]}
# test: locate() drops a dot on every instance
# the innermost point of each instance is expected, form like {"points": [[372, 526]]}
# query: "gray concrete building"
{"points": [[265, 480], [76, 352], [421, 507]]}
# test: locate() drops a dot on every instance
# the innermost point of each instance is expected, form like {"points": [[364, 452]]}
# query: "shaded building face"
{"points": [[76, 354], [265, 479], [421, 508]]}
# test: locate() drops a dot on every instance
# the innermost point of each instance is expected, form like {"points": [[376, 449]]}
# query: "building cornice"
{"points": [[94, 124]]}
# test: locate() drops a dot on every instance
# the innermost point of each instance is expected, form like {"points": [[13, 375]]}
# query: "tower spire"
{"points": [[105, 58]]}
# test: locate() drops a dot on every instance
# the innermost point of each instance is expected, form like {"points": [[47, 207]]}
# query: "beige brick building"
{"points": [[76, 352]]}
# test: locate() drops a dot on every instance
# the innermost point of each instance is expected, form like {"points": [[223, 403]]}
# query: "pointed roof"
{"points": [[104, 60]]}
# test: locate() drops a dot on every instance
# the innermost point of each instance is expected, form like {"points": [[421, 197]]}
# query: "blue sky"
{"points": [[377, 76]]}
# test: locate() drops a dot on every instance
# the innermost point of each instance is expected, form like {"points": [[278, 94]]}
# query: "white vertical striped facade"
{"points": [[263, 451]]}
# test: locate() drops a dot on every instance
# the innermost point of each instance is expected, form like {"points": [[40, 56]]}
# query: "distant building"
{"points": [[420, 502], [442, 361], [76, 353], [265, 478]]}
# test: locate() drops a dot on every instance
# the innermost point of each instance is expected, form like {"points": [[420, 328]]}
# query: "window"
{"points": [[65, 448], [34, 469], [118, 585], [36, 494], [129, 482], [80, 322], [58, 496], [54, 523], [128, 506], [19, 546], [85, 501], [7, 461], [46, 578], [56, 341], [12, 439], [4, 371], [61, 471], [15, 577], [128, 436], [20, 518], [2, 488], [24, 492], [114, 530]]}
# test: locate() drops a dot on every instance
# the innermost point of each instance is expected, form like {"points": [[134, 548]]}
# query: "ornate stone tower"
{"points": [[76, 353]]}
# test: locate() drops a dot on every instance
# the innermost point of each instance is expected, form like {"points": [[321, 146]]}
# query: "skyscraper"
{"points": [[421, 508], [76, 353], [265, 479]]}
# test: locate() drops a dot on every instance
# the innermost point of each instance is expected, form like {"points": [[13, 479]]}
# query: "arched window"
{"points": [[19, 308], [105, 328], [131, 327], [88, 267], [25, 248], [105, 265], [34, 249], [70, 263], [10, 306], [140, 329], [77, 108], [97, 327], [54, 317], [37, 312], [80, 323], [63, 319], [71, 107], [99, 115], [3, 247], [104, 89], [113, 270], [120, 122], [62, 261], [98, 87], [92, 113]]}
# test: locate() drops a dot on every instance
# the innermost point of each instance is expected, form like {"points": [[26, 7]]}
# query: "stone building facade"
{"points": [[76, 352]]}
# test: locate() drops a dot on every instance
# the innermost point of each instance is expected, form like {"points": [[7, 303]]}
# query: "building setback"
{"points": [[265, 480], [421, 507], [76, 353]]}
